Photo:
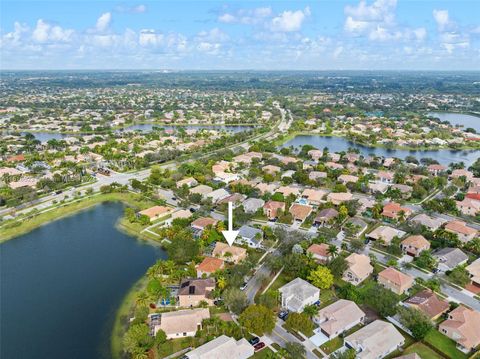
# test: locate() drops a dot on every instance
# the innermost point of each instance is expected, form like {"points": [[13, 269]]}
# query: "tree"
{"points": [[160, 337], [311, 310], [346, 354], [416, 321], [258, 319], [235, 300], [460, 276], [321, 277], [426, 260], [332, 250], [137, 339], [183, 249], [338, 266], [295, 350], [382, 300], [299, 322]]}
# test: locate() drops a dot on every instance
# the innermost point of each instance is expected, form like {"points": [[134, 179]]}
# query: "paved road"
{"points": [[281, 336]]}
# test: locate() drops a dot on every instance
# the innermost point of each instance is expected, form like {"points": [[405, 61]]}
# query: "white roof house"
{"points": [[297, 294], [376, 340], [221, 348], [218, 195], [182, 323], [339, 317]]}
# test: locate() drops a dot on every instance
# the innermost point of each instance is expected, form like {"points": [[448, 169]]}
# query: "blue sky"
{"points": [[273, 35]]}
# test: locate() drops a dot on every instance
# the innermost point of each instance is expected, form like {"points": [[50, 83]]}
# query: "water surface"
{"points": [[62, 283], [461, 119]]}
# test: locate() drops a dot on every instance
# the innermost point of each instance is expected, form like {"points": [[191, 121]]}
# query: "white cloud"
{"points": [[45, 32], [441, 18], [289, 21], [139, 9], [149, 37], [227, 18], [246, 16], [103, 22]]}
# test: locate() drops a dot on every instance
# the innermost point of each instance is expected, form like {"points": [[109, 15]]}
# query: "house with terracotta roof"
{"points": [[209, 266], [338, 198], [266, 187], [414, 245], [393, 210], [385, 177], [463, 326], [156, 212], [288, 190], [194, 291], [469, 206], [398, 282], [464, 232], [462, 173], [320, 252], [429, 303], [271, 209], [315, 154], [271, 169], [347, 179], [229, 253], [375, 340], [203, 222], [339, 317], [358, 268], [300, 212]]}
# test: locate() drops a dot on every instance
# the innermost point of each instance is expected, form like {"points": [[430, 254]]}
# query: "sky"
{"points": [[240, 35]]}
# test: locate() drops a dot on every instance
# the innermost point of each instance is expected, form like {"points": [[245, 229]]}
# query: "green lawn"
{"points": [[444, 345], [332, 345], [327, 297], [264, 353], [422, 350], [279, 282]]}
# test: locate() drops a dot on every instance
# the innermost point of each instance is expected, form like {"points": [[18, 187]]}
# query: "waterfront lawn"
{"points": [[424, 351], [444, 345], [332, 345]]}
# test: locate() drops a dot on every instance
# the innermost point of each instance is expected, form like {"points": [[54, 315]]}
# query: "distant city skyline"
{"points": [[240, 35]]}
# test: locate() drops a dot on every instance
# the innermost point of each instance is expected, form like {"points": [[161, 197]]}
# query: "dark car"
{"points": [[283, 314], [259, 346], [254, 341]]}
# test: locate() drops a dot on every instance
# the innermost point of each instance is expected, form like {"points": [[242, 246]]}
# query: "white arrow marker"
{"points": [[230, 235]]}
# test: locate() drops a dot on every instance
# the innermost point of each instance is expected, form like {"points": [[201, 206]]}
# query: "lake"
{"points": [[62, 284], [146, 127], [458, 119], [339, 144]]}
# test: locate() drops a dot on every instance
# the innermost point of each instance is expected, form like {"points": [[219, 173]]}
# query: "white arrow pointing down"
{"points": [[230, 235]]}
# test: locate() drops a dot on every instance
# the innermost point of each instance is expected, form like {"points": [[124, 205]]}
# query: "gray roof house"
{"points": [[433, 223], [223, 347], [252, 205], [297, 294], [249, 235], [449, 258]]}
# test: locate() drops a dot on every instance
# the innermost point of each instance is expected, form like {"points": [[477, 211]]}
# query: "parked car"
{"points": [[244, 285], [254, 340], [259, 346], [283, 314]]}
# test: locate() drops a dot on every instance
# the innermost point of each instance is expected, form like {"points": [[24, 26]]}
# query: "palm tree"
{"points": [[332, 250], [142, 299], [169, 266], [221, 282]]}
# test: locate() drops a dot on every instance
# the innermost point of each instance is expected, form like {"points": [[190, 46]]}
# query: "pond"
{"points": [[146, 127], [339, 144], [62, 284], [461, 119]]}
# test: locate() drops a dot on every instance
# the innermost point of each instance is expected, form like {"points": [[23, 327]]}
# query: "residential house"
{"points": [[462, 326], [189, 182], [338, 198], [339, 317], [314, 196], [156, 212], [474, 271], [201, 223], [229, 253], [202, 190], [300, 212], [250, 235], [405, 190], [347, 179], [222, 347], [359, 268], [378, 187], [297, 294], [182, 323], [449, 258], [469, 206], [271, 208], [315, 175], [325, 217], [385, 234], [194, 291], [320, 252], [252, 205], [209, 266], [226, 177], [288, 190], [235, 198], [429, 222], [218, 195], [266, 188], [464, 232], [374, 341], [385, 177], [428, 302], [394, 211], [334, 166], [414, 245], [436, 169], [398, 282], [462, 173], [315, 154], [271, 169]]}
